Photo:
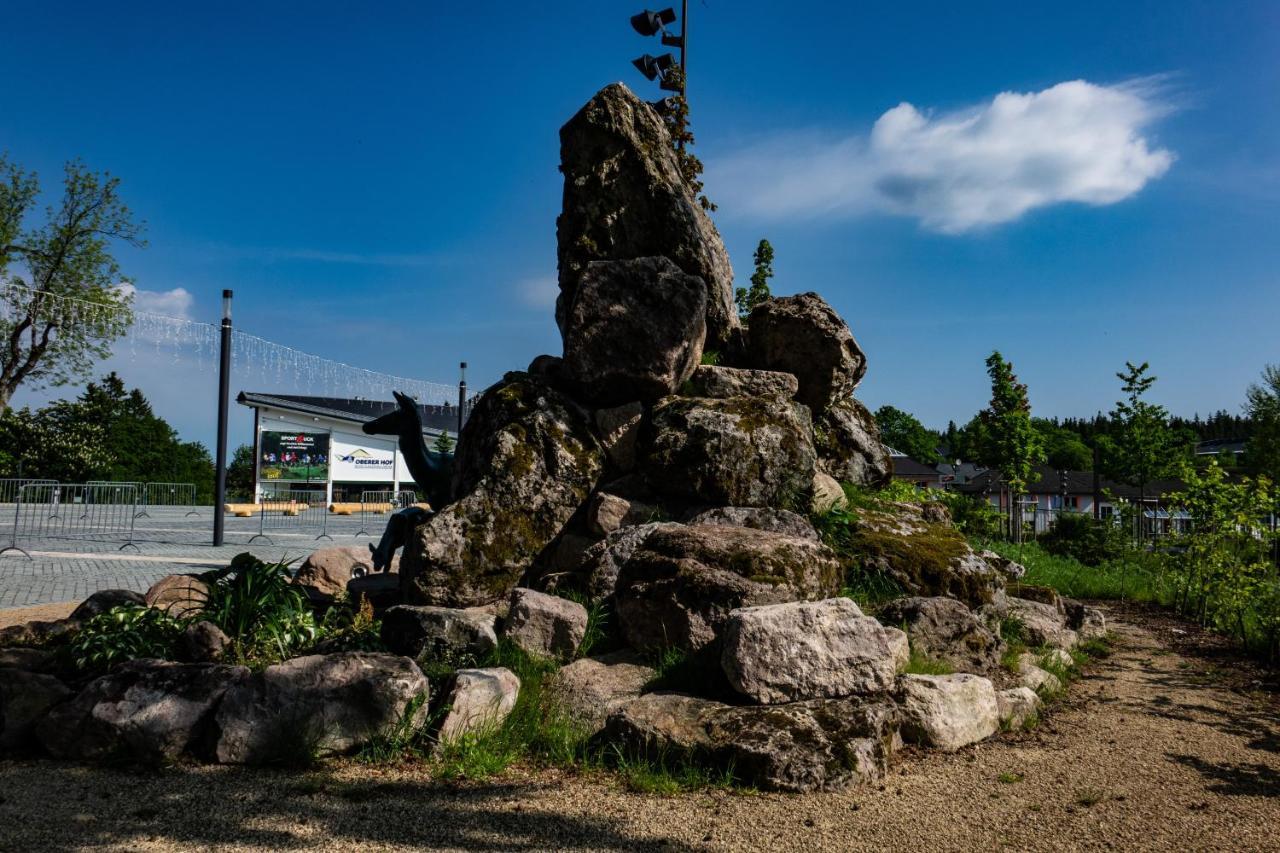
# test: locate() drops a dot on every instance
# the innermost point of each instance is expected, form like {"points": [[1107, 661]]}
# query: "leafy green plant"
{"points": [[922, 664], [1084, 538], [349, 627], [267, 617], [123, 633]]}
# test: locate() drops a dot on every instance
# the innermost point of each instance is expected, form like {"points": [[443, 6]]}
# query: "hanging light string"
{"points": [[152, 335]]}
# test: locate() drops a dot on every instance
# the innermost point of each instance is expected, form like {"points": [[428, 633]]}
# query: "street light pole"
{"points": [[224, 388]]}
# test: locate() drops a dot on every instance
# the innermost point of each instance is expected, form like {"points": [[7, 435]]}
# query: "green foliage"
{"points": [[922, 664], [972, 516], [1262, 452], [675, 112], [747, 299], [666, 776], [65, 304], [711, 357], [240, 484], [123, 633], [1089, 540], [1141, 447], [267, 617], [1014, 447], [346, 627], [107, 433], [1064, 449], [904, 433], [444, 443], [1137, 576]]}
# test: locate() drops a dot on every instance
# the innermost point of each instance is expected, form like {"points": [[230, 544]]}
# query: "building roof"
{"points": [[1078, 483], [1217, 445], [905, 466], [435, 419]]}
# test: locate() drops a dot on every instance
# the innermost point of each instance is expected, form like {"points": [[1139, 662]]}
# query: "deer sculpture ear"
{"points": [[403, 399]]}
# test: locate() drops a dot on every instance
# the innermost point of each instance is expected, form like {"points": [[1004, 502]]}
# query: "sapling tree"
{"points": [[748, 298], [1262, 452], [61, 303], [1141, 446], [444, 443], [1013, 446]]}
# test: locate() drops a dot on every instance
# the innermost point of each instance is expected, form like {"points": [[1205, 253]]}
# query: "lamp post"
{"points": [[224, 388], [648, 23]]}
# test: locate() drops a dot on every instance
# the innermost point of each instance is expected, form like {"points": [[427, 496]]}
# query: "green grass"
{"points": [[921, 664], [1089, 797], [666, 777], [1137, 577], [1010, 778]]}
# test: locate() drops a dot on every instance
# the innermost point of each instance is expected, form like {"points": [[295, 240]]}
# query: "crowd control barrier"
{"points": [[94, 511]]}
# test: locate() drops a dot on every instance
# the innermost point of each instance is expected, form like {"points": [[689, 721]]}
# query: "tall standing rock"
{"points": [[635, 331], [527, 459], [624, 198]]}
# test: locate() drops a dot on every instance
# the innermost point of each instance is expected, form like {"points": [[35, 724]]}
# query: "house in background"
{"points": [[938, 476]]}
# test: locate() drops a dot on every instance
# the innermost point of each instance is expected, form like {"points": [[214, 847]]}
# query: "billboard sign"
{"points": [[362, 461], [294, 456]]}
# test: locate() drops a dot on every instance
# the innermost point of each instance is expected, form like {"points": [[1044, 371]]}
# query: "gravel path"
{"points": [[1153, 750]]}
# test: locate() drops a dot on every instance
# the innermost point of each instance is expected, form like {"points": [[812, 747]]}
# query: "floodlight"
{"points": [[653, 67], [649, 23]]}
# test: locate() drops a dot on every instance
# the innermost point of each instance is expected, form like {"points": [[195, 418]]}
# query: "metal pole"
{"points": [[224, 389], [462, 395]]}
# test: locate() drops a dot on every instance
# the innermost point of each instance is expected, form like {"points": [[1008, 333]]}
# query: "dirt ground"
{"points": [[38, 612], [1170, 743]]}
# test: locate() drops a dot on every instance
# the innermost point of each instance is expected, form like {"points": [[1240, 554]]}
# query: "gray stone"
{"points": [[617, 427], [824, 744], [1088, 622], [204, 642], [805, 650], [32, 660], [634, 331], [947, 711], [802, 335], [145, 710], [667, 726], [899, 645], [625, 197], [439, 634], [326, 572], [678, 587], [526, 461], [545, 625], [847, 441], [590, 689], [104, 600], [1042, 624], [782, 521], [319, 705], [607, 513], [481, 699], [946, 630], [827, 494], [741, 451], [604, 560], [1034, 677], [1010, 569], [180, 596], [725, 382], [1018, 706], [25, 697]]}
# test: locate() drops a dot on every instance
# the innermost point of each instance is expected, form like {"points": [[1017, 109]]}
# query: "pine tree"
{"points": [[1013, 444], [748, 298], [444, 443]]}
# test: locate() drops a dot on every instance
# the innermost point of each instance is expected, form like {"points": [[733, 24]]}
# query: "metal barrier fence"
{"points": [[1151, 524], [293, 512], [177, 495], [104, 511], [380, 503], [9, 488]]}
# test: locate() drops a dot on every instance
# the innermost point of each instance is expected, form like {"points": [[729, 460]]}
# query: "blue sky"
{"points": [[378, 182]]}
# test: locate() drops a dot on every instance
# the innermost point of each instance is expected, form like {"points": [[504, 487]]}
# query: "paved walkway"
{"points": [[71, 569]]}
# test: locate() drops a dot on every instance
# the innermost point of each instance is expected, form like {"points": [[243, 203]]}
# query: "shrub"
{"points": [[1084, 538], [266, 615], [123, 633]]}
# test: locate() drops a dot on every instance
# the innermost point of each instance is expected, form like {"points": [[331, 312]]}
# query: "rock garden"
{"points": [[673, 545]]}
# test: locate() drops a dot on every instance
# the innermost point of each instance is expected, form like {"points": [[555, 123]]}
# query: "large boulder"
{"points": [[625, 197], [634, 331], [439, 634], [32, 660], [603, 561], [481, 699], [947, 711], [805, 650], [318, 705], [827, 494], [738, 451], [804, 336], [825, 744], [145, 710], [945, 629], [180, 596], [759, 518], [590, 689], [679, 586], [326, 572], [527, 459], [104, 600], [203, 642], [924, 558], [724, 382], [38, 632], [25, 697], [847, 440], [662, 726], [545, 626], [1041, 624]]}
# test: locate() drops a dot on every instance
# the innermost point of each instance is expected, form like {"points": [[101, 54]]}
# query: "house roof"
{"points": [[1217, 445], [1078, 483], [905, 466], [435, 419]]}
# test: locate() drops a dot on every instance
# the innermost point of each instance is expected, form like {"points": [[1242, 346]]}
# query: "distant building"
{"points": [[1218, 446], [938, 476], [310, 443]]}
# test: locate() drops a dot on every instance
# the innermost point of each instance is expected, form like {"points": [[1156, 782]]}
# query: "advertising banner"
{"points": [[295, 456], [362, 460]]}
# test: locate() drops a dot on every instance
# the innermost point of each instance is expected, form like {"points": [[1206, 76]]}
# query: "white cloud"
{"points": [[170, 303], [538, 292], [958, 171]]}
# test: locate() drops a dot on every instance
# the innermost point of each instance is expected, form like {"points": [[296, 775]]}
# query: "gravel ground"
{"points": [[37, 612], [1154, 749]]}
